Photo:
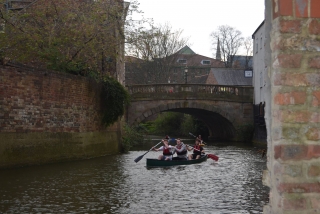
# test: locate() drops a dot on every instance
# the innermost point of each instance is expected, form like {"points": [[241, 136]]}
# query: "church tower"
{"points": [[218, 53]]}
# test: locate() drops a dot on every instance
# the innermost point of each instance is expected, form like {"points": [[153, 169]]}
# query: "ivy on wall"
{"points": [[114, 96], [114, 99]]}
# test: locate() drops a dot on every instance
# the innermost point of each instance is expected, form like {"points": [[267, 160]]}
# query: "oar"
{"points": [[140, 157], [196, 137], [212, 156], [192, 134]]}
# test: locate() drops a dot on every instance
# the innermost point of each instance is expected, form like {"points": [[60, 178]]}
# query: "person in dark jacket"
{"points": [[197, 150]]}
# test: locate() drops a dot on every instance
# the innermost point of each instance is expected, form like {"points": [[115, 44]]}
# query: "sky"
{"points": [[198, 18]]}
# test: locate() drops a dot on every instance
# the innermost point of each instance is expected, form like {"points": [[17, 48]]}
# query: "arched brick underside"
{"points": [[220, 121], [219, 127]]}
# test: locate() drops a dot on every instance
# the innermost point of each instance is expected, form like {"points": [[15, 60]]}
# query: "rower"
{"points": [[197, 150], [166, 148], [181, 151], [201, 141]]}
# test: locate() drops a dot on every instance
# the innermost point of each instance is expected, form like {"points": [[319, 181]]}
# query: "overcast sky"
{"points": [[198, 18]]}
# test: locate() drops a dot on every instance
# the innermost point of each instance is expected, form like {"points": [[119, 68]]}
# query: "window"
{"points": [[257, 46], [261, 42], [205, 62], [182, 61]]}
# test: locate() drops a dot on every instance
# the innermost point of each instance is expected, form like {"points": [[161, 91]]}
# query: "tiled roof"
{"points": [[230, 76], [193, 59], [197, 60]]}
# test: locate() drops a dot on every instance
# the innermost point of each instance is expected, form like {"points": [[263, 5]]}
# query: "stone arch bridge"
{"points": [[225, 110]]}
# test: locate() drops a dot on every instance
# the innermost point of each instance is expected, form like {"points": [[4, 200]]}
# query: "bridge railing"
{"points": [[191, 90]]}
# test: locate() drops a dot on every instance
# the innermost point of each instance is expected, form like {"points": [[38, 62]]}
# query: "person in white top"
{"points": [[166, 148]]}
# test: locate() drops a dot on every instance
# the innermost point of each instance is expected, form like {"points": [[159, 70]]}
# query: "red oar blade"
{"points": [[213, 157]]}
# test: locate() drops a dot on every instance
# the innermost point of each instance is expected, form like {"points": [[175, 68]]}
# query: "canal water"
{"points": [[116, 184]]}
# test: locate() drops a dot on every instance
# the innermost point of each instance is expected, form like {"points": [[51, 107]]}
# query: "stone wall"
{"points": [[294, 116], [47, 116], [225, 120]]}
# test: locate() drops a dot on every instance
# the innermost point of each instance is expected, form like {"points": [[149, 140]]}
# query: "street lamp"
{"points": [[186, 74]]}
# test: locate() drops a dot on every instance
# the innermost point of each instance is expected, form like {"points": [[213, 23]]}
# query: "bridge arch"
{"points": [[223, 109], [218, 121]]}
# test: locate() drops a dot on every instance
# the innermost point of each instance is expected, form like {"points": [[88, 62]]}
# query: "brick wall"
{"points": [[294, 142], [49, 116], [211, 79]]}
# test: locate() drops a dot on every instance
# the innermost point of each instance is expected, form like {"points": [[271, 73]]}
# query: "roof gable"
{"points": [[186, 50]]}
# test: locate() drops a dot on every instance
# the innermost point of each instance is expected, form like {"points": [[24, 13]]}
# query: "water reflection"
{"points": [[116, 184]]}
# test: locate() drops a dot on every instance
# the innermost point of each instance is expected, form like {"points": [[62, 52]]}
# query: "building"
{"points": [[244, 62], [184, 66], [259, 83], [190, 65], [229, 76], [187, 67]]}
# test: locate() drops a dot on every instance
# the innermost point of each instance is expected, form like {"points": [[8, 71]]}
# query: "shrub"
{"points": [[131, 136]]}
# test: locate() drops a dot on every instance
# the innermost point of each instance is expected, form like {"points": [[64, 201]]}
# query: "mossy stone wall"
{"points": [[49, 117]]}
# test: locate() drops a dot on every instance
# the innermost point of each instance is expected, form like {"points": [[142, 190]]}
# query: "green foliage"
{"points": [[115, 98], [131, 137], [173, 123], [148, 127], [168, 123], [58, 62], [188, 125]]}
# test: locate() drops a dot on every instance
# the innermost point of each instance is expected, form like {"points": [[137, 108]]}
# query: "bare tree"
{"points": [[160, 41], [156, 47], [248, 46], [230, 41]]}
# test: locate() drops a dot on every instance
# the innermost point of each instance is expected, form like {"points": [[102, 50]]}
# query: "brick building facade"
{"points": [[292, 106]]}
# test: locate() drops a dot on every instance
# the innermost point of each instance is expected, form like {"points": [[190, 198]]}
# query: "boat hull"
{"points": [[163, 163]]}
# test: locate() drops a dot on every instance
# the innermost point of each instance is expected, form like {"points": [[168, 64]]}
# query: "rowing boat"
{"points": [[163, 163]]}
